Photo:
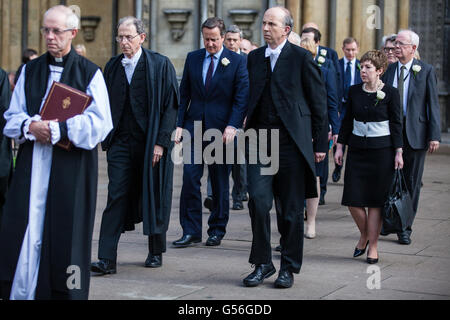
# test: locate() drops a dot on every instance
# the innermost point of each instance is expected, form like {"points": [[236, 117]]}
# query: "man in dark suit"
{"points": [[288, 98], [329, 76], [214, 92], [143, 91], [349, 67], [5, 142], [417, 84]]}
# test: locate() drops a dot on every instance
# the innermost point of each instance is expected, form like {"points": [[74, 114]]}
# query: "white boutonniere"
{"points": [[321, 60], [323, 52], [380, 96], [225, 62], [416, 69]]}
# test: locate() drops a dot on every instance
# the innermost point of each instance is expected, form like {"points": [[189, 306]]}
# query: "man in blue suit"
{"points": [[350, 69], [213, 90]]}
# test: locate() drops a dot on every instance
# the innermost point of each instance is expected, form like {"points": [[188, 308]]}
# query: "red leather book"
{"points": [[64, 102]]}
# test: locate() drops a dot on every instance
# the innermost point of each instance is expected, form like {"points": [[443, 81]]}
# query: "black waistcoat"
{"points": [[78, 73], [134, 119], [266, 112]]}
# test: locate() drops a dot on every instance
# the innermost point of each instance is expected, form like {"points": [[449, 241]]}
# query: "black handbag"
{"points": [[397, 212]]}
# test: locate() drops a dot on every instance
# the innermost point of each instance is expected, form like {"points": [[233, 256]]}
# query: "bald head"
{"points": [[246, 46], [310, 25]]}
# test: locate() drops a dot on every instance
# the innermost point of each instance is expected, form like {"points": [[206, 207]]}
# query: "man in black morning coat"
{"points": [[143, 91], [5, 142], [286, 93]]}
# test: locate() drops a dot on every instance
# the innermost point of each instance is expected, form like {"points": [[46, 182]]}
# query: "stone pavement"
{"points": [[418, 271]]}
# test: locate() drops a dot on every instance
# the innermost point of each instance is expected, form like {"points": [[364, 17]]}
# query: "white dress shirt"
{"points": [[407, 77], [274, 53]]}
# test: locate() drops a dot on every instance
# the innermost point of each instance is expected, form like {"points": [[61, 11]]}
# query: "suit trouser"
{"points": [[125, 160], [3, 190], [191, 198], [414, 162], [288, 184]]}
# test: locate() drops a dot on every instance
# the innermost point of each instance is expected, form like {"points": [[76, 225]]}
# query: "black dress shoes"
{"points": [[278, 248], [237, 206], [153, 261], [321, 200], [285, 279], [360, 252], [104, 266], [372, 260], [186, 241], [262, 271], [336, 176], [403, 238], [213, 241]]}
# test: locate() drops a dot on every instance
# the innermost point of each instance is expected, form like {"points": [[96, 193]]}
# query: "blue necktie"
{"points": [[347, 80], [209, 74]]}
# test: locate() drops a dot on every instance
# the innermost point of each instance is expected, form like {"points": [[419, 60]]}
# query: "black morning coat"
{"points": [[300, 97], [71, 199], [5, 142], [163, 100]]}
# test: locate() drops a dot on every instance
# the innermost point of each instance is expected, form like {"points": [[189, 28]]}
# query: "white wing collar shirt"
{"points": [[130, 64], [85, 131], [274, 53]]}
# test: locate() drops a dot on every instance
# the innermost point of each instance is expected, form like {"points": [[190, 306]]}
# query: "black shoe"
{"points": [[403, 238], [213, 241], [186, 241], [278, 248], [153, 261], [285, 279], [104, 266], [360, 252], [208, 203], [321, 200], [245, 197], [336, 174], [262, 271], [237, 206], [372, 260]]}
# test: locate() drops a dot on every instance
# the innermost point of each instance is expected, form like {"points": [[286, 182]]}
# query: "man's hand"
{"points": [[335, 137], [338, 155], [434, 145], [319, 156], [157, 154], [178, 134], [229, 134], [41, 130]]}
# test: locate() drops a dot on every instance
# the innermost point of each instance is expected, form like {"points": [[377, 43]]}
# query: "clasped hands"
{"points": [[41, 130], [227, 137]]}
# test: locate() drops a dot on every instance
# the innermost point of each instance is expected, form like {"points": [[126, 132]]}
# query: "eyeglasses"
{"points": [[128, 38], [401, 44], [389, 49], [57, 32]]}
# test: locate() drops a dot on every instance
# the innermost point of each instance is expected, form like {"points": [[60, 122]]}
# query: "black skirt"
{"points": [[368, 177]]}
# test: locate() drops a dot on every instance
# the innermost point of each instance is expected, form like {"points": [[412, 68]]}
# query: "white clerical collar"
{"points": [[275, 51], [216, 55]]}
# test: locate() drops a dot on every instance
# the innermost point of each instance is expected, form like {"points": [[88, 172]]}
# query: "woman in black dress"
{"points": [[372, 129]]}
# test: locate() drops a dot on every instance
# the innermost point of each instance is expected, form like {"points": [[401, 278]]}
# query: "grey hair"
{"points": [[140, 29], [288, 20], [414, 37], [390, 38], [72, 20], [235, 29]]}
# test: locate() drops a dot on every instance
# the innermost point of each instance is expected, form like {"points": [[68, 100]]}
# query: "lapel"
{"points": [[198, 65], [282, 65], [358, 79], [412, 82], [390, 74]]}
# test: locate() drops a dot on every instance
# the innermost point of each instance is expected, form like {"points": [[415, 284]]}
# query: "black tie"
{"points": [[209, 74], [401, 82], [347, 79]]}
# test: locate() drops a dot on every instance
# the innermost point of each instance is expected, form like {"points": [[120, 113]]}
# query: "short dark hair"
{"points": [[317, 34], [350, 40], [214, 22], [377, 58], [27, 53]]}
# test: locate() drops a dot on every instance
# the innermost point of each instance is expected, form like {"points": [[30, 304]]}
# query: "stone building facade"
{"points": [[173, 26]]}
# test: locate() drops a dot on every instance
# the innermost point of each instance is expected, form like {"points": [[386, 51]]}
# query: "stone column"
{"points": [[403, 14], [294, 6]]}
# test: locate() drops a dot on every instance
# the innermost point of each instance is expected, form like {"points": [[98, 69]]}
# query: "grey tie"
{"points": [[401, 82]]}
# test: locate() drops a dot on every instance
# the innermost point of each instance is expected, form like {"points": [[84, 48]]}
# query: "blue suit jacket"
{"points": [[225, 102], [333, 56], [329, 78], [357, 79]]}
